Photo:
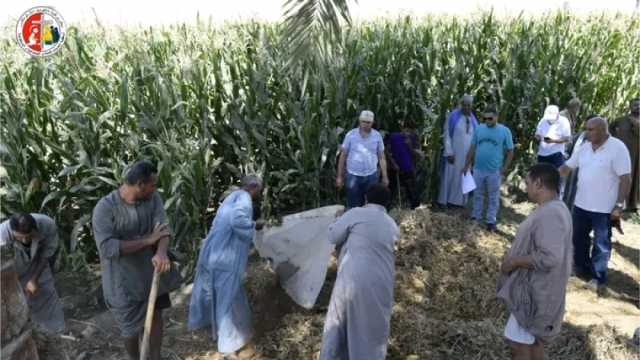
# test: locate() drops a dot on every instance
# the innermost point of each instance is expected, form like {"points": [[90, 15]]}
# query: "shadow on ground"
{"points": [[623, 287], [630, 254]]}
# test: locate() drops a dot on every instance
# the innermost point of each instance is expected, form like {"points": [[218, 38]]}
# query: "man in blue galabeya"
{"points": [[219, 299], [490, 143]]}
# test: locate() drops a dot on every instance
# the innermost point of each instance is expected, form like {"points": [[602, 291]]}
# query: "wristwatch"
{"points": [[620, 205]]}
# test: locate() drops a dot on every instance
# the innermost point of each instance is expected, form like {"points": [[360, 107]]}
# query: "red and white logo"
{"points": [[41, 31]]}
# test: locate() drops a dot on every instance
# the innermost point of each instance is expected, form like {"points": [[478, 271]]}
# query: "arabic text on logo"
{"points": [[41, 31]]}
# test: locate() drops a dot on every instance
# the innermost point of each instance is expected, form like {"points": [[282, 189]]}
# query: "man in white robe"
{"points": [[457, 132]]}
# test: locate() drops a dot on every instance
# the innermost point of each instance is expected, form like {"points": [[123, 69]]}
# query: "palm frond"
{"points": [[313, 27]]}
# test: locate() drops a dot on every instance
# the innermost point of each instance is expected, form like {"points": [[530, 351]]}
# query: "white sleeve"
{"points": [[346, 143], [622, 161], [574, 159]]}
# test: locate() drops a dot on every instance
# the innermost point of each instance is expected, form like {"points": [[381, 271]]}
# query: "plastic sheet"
{"points": [[299, 251]]}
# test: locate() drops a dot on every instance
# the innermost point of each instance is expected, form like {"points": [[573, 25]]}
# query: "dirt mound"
{"points": [[446, 266], [445, 305]]}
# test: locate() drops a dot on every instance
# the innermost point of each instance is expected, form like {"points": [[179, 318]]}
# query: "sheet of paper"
{"points": [[468, 184]]}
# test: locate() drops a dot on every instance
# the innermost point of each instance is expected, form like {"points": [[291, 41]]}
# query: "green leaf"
{"points": [[77, 227]]}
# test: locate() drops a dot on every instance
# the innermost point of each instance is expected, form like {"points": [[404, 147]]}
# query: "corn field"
{"points": [[209, 102]]}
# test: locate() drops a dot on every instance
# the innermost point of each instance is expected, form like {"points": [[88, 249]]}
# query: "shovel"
{"points": [[151, 307], [399, 189]]}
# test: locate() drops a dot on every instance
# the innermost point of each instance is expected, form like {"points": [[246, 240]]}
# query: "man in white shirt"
{"points": [[604, 181], [553, 132], [361, 151]]}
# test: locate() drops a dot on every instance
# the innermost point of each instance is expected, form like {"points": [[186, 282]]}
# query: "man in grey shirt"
{"points": [[34, 238], [357, 323], [536, 269], [129, 226]]}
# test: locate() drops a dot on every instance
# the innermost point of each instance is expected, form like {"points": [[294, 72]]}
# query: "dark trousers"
{"points": [[555, 159], [592, 262], [407, 181], [357, 187]]}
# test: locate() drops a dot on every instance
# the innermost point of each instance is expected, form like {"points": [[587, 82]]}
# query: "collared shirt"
{"points": [[362, 152], [599, 176], [556, 131]]}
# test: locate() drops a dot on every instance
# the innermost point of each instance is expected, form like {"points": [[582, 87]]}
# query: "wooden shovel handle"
{"points": [[151, 307]]}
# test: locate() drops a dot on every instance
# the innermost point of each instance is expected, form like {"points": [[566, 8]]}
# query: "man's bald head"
{"points": [[599, 122], [597, 130]]}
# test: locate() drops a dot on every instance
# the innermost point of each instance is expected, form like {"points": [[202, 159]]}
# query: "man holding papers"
{"points": [[491, 142]]}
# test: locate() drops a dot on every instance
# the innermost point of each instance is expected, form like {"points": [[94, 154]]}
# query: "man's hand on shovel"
{"points": [[161, 262]]}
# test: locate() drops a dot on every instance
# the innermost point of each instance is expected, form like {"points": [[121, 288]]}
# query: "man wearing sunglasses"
{"points": [[490, 145]]}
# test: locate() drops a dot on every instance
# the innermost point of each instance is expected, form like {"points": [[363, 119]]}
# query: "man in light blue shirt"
{"points": [[219, 301], [361, 150], [487, 153]]}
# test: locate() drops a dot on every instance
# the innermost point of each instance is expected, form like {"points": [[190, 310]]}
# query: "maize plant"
{"points": [[209, 102]]}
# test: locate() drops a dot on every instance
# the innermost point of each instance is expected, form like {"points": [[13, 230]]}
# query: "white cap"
{"points": [[366, 115], [551, 113]]}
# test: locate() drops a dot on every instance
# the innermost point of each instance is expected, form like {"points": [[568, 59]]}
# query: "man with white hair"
{"points": [[362, 150], [457, 132], [603, 185], [553, 132]]}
